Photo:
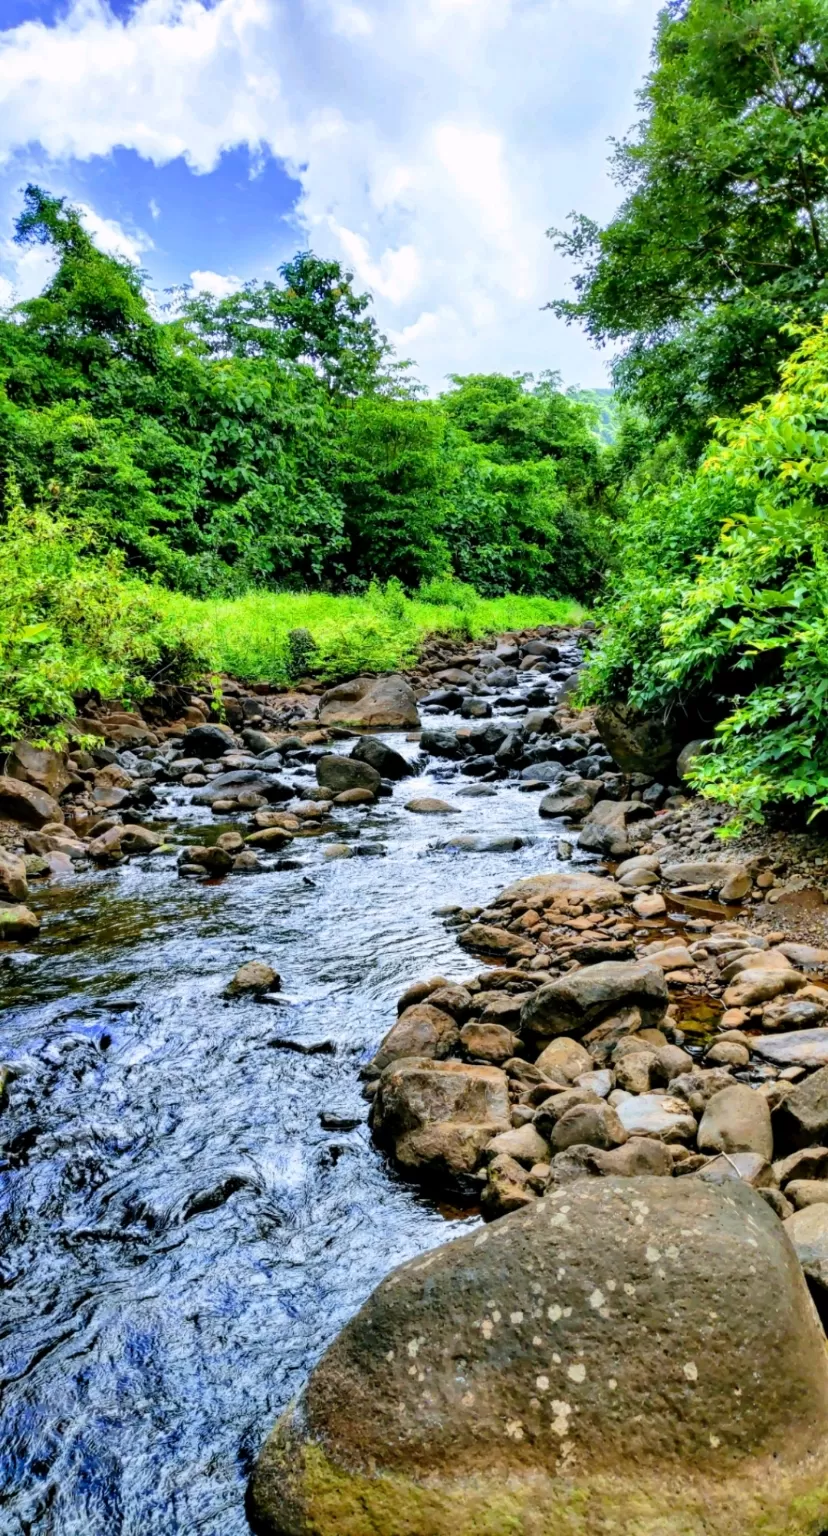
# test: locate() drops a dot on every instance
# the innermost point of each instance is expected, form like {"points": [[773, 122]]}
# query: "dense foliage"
{"points": [[270, 439], [722, 236], [721, 612]]}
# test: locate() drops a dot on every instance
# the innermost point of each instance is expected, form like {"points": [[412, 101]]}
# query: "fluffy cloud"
{"points": [[434, 140], [213, 282]]}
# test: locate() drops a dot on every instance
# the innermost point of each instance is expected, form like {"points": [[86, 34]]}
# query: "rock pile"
{"points": [[568, 1059]]}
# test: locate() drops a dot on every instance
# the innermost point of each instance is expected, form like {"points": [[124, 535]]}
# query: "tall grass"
{"points": [[383, 630]]}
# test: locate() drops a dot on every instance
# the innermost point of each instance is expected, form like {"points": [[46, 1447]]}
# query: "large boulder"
{"points": [[340, 773], [14, 885], [421, 1030], [575, 1003], [639, 743], [436, 1117], [737, 1120], [24, 802], [605, 829], [225, 786], [208, 741], [388, 763], [38, 766], [373, 703], [802, 1118], [637, 1356], [596, 894]]}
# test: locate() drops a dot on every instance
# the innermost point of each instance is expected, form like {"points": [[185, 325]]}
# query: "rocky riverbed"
{"points": [[590, 988]]}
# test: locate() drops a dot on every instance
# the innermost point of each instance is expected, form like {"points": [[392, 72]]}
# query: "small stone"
{"points": [[254, 977], [649, 905], [726, 1053], [426, 805], [354, 797], [591, 1125], [525, 1145]]}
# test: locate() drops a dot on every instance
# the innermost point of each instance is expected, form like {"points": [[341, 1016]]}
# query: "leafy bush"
{"points": [[724, 606], [70, 623]]}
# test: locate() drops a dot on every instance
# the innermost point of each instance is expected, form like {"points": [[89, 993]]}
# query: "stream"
{"points": [[181, 1238]]}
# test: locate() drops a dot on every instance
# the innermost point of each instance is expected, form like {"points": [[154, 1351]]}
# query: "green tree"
{"points": [[722, 236]]}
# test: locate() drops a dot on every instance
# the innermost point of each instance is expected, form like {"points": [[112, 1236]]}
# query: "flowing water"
{"points": [[180, 1237]]}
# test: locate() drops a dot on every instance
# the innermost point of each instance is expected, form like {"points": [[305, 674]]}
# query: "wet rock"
{"points": [[388, 763], [418, 991], [340, 773], [436, 1117], [422, 1030], [372, 703], [45, 769], [207, 742], [427, 805], [135, 840], [269, 837], [595, 893], [338, 851], [475, 1392], [213, 861], [709, 874], [581, 999], [802, 1118], [736, 887], [736, 1120], [649, 905], [246, 862], [469, 843], [354, 797], [255, 976], [14, 886], [18, 922], [658, 1115], [228, 785], [24, 802]]}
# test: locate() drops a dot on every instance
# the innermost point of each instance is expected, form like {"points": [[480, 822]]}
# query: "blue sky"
{"points": [[428, 144]]}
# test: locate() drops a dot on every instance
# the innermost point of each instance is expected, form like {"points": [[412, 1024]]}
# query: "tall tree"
{"points": [[722, 238]]}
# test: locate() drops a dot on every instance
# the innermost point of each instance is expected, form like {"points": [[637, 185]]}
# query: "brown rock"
{"points": [[805, 1192], [508, 1188], [24, 802], [255, 976], [371, 703], [422, 1030], [18, 922], [581, 999], [472, 1392], [436, 1117], [482, 939], [736, 1120], [487, 1042], [13, 883], [590, 1125], [426, 805], [564, 1058], [39, 766]]}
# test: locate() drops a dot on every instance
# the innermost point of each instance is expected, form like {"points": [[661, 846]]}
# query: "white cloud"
{"points": [[154, 209], [213, 282], [434, 140]]}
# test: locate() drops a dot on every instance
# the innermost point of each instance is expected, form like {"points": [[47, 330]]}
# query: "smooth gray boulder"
{"points": [[637, 1356], [737, 1119]]}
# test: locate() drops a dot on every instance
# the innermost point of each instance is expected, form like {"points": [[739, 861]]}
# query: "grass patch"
{"points": [[250, 637]]}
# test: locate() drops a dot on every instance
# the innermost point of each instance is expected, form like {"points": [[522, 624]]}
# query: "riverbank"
{"points": [[191, 1177]]}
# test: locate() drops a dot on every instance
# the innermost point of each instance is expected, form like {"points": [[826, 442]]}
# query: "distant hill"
{"points": [[605, 402]]}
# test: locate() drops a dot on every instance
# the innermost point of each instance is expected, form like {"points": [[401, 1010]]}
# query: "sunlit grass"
{"points": [[247, 637]]}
